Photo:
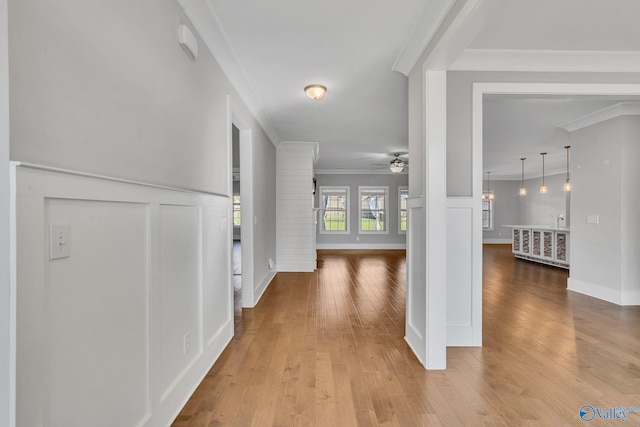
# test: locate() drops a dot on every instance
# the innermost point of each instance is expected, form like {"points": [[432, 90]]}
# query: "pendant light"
{"points": [[523, 191], [488, 195], [567, 183], [543, 188]]}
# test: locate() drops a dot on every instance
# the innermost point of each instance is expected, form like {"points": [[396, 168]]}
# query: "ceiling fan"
{"points": [[396, 165]]}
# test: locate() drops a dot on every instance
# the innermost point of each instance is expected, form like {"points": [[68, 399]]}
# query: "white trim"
{"points": [[613, 111], [264, 283], [459, 336], [496, 241], [423, 31], [347, 212], [296, 267], [363, 246], [601, 292], [385, 211], [547, 61], [8, 239], [235, 116], [472, 18], [435, 153]]}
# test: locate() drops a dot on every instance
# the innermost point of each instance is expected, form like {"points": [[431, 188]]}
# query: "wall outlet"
{"points": [[186, 342], [357, 238], [271, 263]]}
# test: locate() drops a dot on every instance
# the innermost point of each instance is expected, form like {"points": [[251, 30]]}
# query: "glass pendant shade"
{"points": [[315, 91], [543, 188], [523, 191], [488, 194], [567, 183]]}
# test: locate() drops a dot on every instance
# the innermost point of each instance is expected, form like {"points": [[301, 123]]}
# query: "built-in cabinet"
{"points": [[541, 244]]}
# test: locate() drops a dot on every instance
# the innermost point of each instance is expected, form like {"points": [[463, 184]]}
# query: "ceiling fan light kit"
{"points": [[315, 91], [397, 165]]}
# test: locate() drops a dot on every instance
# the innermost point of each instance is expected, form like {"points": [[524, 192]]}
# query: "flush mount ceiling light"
{"points": [[397, 165], [489, 194], [543, 188], [315, 91], [523, 191], [567, 183]]}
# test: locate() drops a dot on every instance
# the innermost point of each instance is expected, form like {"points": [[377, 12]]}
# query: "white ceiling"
{"points": [[271, 50]]}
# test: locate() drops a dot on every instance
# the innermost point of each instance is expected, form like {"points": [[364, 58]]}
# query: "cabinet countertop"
{"points": [[539, 227]]}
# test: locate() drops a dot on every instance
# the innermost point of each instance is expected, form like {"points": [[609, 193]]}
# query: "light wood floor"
{"points": [[327, 349]]}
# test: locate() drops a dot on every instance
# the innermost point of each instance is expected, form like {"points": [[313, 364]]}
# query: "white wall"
{"points": [[604, 183], [105, 88], [535, 208], [392, 240]]}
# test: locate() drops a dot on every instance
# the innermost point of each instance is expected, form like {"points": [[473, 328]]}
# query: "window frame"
{"points": [[347, 210], [385, 210], [401, 189], [491, 211]]}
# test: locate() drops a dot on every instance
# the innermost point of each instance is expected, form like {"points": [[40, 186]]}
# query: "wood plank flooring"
{"points": [[327, 349]]}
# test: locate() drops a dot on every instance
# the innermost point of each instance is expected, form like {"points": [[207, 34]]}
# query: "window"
{"points": [[487, 215], [335, 209], [373, 209], [403, 195], [236, 210]]}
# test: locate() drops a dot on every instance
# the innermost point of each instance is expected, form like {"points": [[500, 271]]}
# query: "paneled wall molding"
{"points": [[142, 305]]}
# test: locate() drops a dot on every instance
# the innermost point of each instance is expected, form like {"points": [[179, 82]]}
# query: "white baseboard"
{"points": [[365, 246], [496, 241], [264, 284], [601, 292], [460, 336], [296, 267]]}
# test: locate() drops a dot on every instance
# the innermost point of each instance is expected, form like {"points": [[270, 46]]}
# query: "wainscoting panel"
{"points": [[416, 279], [464, 295], [122, 330], [95, 316]]}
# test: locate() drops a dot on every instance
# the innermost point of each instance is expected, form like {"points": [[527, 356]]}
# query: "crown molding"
{"points": [[616, 110], [423, 31], [206, 22], [385, 171], [547, 61]]}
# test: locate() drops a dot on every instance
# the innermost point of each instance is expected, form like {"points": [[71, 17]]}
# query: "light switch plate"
{"points": [[593, 219], [59, 241]]}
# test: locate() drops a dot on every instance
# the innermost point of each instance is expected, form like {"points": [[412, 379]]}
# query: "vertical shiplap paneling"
{"points": [[294, 208]]}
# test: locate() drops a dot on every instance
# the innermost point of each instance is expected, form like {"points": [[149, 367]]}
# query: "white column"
{"points": [[435, 203], [7, 291]]}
